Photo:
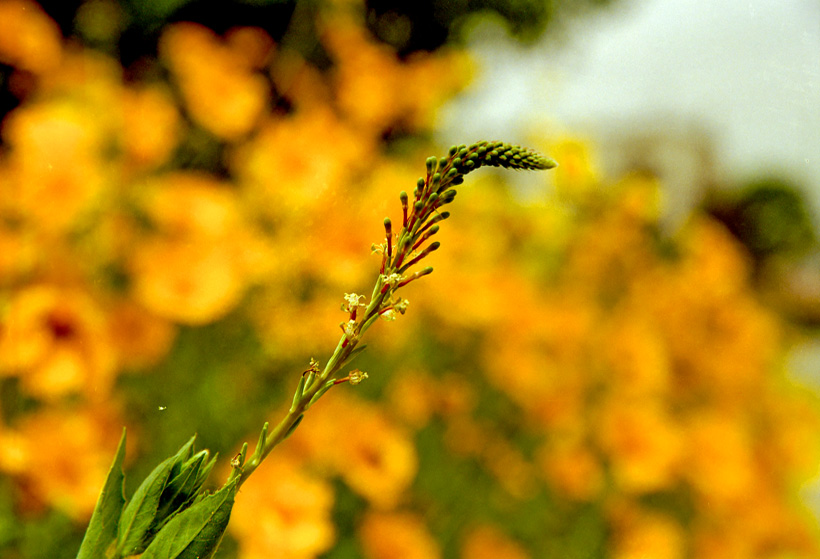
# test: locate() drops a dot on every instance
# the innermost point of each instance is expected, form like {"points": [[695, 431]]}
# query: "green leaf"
{"points": [[182, 486], [196, 532], [139, 518], [102, 529]]}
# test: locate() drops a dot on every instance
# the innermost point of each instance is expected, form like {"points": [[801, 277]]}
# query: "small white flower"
{"points": [[350, 329], [356, 376], [392, 279], [389, 315], [354, 300], [402, 305]]}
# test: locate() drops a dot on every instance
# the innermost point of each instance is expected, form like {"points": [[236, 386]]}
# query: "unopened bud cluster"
{"points": [[422, 214]]}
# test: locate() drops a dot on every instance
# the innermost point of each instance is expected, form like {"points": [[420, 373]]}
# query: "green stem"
{"points": [[281, 431], [441, 174]]}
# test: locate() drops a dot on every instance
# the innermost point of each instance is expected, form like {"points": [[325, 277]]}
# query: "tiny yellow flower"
{"points": [[349, 328], [401, 305], [354, 300], [391, 279], [356, 376]]}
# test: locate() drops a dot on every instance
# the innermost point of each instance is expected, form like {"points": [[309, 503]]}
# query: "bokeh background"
{"points": [[615, 359]]}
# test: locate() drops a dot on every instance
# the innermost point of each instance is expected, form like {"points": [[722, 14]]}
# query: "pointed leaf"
{"points": [[139, 517], [182, 487], [196, 532], [205, 471], [102, 529]]}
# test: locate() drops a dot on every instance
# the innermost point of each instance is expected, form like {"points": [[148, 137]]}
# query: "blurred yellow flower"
{"points": [[714, 438], [151, 125], [283, 512], [642, 534], [723, 341], [635, 353], [296, 161], [573, 470], [359, 443], [374, 457], [390, 93], [758, 524], [222, 93], [252, 46], [488, 542], [411, 396], [643, 444], [396, 535], [416, 396], [56, 340], [300, 83], [62, 457], [54, 162], [536, 357], [29, 39], [19, 251], [141, 338], [193, 268]]}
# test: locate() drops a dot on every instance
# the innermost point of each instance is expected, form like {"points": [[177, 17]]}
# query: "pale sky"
{"points": [[749, 71]]}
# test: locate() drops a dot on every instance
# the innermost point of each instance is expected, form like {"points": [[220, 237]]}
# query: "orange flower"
{"points": [[194, 268], [373, 456], [396, 535], [389, 92], [56, 340], [643, 444], [283, 512], [151, 125], [635, 353], [252, 46], [54, 162], [714, 439], [411, 397], [221, 91], [18, 252], [640, 534], [759, 525], [574, 470], [415, 396], [141, 339], [721, 340], [540, 363], [506, 462], [488, 542], [62, 457], [295, 162], [29, 39]]}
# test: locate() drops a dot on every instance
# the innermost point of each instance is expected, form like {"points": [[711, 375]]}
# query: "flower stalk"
{"points": [[170, 515], [419, 222]]}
